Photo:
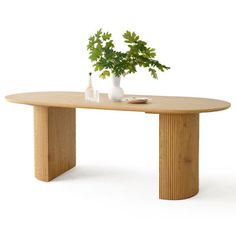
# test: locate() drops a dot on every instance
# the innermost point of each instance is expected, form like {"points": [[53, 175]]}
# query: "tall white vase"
{"points": [[117, 93]]}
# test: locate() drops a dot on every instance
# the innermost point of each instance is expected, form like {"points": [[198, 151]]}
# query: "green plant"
{"points": [[108, 60]]}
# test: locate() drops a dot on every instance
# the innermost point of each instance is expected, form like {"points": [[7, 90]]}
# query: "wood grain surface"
{"points": [[55, 141], [158, 104], [178, 168]]}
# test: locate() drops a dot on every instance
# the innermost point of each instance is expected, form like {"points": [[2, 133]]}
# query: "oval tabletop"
{"points": [[157, 104]]}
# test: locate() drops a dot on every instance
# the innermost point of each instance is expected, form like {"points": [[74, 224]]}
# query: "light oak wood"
{"points": [[159, 104], [179, 141], [179, 134], [55, 145]]}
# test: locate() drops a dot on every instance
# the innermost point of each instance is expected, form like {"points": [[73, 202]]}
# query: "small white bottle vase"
{"points": [[89, 92], [117, 93]]}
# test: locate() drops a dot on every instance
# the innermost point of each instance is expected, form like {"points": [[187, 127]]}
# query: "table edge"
{"points": [[164, 111]]}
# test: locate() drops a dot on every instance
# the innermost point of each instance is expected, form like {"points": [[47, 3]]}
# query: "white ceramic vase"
{"points": [[117, 93]]}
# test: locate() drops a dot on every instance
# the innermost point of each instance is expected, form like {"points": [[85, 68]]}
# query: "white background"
{"points": [[114, 188]]}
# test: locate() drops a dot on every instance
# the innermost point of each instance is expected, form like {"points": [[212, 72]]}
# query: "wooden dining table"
{"points": [[55, 134]]}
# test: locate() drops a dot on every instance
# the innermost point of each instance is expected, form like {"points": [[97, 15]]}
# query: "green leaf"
{"points": [[98, 66], [130, 37], [99, 33], [106, 36], [165, 67], [153, 73], [150, 52], [105, 74], [91, 43], [109, 44], [96, 53], [109, 54], [132, 68]]}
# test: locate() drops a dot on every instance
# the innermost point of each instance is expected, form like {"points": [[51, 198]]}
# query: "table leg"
{"points": [[55, 144], [179, 143]]}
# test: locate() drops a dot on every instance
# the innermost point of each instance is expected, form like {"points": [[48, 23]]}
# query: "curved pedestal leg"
{"points": [[179, 143], [54, 141]]}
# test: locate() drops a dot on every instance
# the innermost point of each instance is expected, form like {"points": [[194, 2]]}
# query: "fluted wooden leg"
{"points": [[179, 143], [54, 141]]}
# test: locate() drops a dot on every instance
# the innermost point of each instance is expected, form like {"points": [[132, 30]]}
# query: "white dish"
{"points": [[137, 100]]}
